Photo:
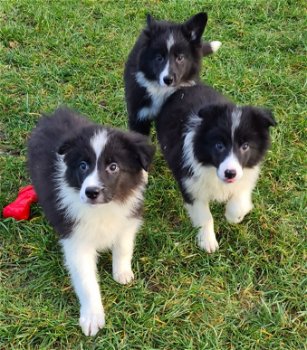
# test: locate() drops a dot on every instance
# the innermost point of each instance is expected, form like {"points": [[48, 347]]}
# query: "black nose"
{"points": [[230, 174], [168, 80], [92, 192]]}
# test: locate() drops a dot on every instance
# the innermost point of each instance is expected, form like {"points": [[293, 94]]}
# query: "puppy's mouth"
{"points": [[97, 201], [230, 181]]}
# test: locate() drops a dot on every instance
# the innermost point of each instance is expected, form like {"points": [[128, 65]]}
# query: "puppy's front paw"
{"points": [[207, 242], [91, 321], [234, 219], [235, 212], [123, 277]]}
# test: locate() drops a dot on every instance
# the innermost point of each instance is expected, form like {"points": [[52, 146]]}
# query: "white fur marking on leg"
{"points": [[122, 254], [201, 217], [81, 262]]}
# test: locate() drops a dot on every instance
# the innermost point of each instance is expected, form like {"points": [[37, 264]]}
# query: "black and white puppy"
{"points": [[90, 182], [214, 149], [165, 57]]}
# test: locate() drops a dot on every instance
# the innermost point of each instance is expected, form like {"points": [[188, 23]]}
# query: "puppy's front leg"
{"points": [[238, 206], [201, 217], [122, 252], [80, 260]]}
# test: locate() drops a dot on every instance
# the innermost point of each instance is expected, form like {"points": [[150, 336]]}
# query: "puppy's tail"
{"points": [[210, 47]]}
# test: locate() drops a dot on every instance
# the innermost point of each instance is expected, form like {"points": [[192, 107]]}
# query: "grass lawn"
{"points": [[248, 295]]}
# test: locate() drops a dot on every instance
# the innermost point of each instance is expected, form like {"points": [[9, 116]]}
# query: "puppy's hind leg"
{"points": [[201, 217]]}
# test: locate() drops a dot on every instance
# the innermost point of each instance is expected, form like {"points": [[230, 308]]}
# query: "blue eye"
{"points": [[220, 147], [83, 166]]}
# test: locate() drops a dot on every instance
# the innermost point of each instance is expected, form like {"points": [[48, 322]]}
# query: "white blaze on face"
{"points": [[230, 164], [235, 120], [169, 43], [98, 143]]}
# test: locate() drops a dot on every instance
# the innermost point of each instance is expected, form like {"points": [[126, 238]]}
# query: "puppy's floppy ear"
{"points": [[66, 146], [143, 149], [265, 115], [195, 26], [212, 111]]}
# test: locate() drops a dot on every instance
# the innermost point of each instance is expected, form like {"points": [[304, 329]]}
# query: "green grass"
{"points": [[248, 295]]}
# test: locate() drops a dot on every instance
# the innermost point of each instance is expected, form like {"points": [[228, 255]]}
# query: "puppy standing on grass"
{"points": [[90, 182], [214, 149], [165, 57]]}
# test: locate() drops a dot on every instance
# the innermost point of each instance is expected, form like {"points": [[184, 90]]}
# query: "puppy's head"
{"points": [[105, 164], [172, 53], [232, 138]]}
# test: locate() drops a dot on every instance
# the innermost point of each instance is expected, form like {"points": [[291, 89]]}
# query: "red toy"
{"points": [[20, 208]]}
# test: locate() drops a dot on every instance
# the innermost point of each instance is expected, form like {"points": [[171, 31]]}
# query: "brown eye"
{"points": [[245, 146], [112, 168], [180, 58]]}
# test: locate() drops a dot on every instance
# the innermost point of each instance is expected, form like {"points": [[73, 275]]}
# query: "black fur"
{"points": [[67, 134], [214, 110], [150, 55]]}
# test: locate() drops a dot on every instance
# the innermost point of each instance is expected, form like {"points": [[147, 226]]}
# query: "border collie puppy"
{"points": [[165, 57], [90, 182], [214, 149]]}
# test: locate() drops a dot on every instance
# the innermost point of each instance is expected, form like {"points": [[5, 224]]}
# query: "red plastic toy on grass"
{"points": [[20, 208]]}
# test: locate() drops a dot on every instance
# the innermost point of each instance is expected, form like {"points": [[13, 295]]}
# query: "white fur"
{"points": [[170, 42], [235, 120], [205, 185], [91, 180], [98, 227], [164, 74], [215, 45], [157, 93], [98, 142], [230, 163]]}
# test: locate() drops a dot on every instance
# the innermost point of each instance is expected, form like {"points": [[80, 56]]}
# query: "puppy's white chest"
{"points": [[156, 92], [206, 186]]}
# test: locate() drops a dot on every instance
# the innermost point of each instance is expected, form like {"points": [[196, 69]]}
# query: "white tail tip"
{"points": [[215, 45]]}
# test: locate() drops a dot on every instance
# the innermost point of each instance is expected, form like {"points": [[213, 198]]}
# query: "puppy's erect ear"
{"points": [[265, 115], [143, 150], [195, 26], [149, 20], [150, 25]]}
